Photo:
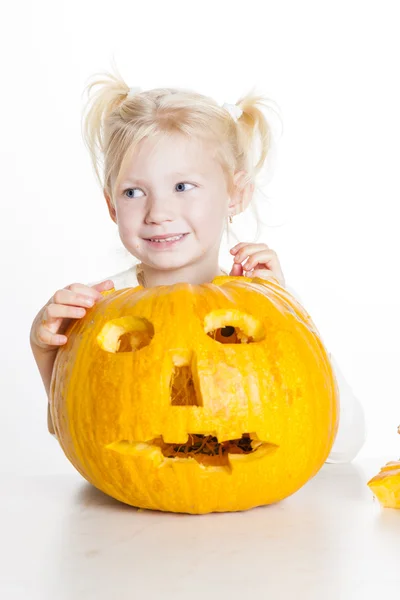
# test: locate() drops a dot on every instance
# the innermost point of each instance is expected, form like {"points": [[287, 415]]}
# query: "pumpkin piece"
{"points": [[196, 398], [386, 484]]}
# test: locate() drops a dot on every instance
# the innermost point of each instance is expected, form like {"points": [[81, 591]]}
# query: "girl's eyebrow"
{"points": [[188, 174]]}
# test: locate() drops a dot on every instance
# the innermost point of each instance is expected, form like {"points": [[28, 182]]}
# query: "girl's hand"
{"points": [[68, 303], [261, 262]]}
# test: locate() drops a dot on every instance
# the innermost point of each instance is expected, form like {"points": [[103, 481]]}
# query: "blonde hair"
{"points": [[113, 124]]}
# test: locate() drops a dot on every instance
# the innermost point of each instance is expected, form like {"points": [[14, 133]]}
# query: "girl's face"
{"points": [[172, 188]]}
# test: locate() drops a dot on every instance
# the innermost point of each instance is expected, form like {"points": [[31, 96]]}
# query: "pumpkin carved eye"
{"points": [[227, 335], [233, 327], [126, 334]]}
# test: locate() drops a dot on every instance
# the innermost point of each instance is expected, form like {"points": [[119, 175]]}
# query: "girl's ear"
{"points": [[241, 195], [111, 208]]}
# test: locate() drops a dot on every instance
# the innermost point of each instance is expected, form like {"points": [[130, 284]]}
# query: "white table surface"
{"points": [[61, 539]]}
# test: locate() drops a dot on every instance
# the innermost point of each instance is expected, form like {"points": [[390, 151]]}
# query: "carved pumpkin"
{"points": [[196, 398], [386, 484]]}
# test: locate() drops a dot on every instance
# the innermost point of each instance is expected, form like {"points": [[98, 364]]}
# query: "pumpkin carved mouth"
{"points": [[205, 449]]}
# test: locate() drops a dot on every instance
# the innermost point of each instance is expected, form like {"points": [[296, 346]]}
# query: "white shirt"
{"points": [[351, 432]]}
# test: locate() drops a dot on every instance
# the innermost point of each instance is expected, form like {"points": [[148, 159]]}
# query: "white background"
{"points": [[332, 67]]}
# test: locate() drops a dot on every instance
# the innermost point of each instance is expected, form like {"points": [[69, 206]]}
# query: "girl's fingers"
{"points": [[57, 311], [261, 262], [78, 294], [265, 262], [94, 291], [235, 249], [108, 284], [236, 271], [238, 247], [46, 338], [247, 250], [85, 290], [54, 321], [265, 257], [67, 304], [74, 298]]}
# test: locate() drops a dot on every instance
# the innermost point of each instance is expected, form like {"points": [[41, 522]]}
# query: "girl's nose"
{"points": [[159, 209]]}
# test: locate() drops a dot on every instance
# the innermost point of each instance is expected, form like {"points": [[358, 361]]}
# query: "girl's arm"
{"points": [[351, 434], [45, 363], [47, 333]]}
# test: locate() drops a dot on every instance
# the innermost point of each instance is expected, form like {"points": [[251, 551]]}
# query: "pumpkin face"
{"points": [[196, 398]]}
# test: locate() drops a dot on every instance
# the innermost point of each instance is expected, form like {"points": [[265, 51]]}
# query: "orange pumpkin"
{"points": [[386, 484], [196, 398]]}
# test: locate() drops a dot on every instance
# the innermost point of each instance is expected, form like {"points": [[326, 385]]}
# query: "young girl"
{"points": [[177, 168]]}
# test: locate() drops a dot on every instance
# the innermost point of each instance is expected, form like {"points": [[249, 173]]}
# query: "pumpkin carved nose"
{"points": [[183, 390]]}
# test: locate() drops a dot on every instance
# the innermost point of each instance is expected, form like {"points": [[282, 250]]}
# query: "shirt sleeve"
{"points": [[351, 433]]}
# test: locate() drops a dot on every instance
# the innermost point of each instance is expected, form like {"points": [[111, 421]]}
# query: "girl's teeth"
{"points": [[170, 239]]}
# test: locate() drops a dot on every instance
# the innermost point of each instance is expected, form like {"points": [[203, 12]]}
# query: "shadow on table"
{"points": [[108, 547]]}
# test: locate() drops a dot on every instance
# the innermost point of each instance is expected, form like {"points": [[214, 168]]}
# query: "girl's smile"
{"points": [[166, 242]]}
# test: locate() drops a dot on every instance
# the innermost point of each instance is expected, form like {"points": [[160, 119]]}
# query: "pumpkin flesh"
{"points": [[386, 485]]}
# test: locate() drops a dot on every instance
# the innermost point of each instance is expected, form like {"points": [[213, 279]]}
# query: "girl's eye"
{"points": [[126, 192], [184, 183], [178, 184]]}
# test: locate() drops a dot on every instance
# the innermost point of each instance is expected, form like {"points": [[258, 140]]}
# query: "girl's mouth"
{"points": [[164, 243]]}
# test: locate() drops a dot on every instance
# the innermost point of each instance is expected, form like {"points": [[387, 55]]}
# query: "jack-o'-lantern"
{"points": [[196, 398]]}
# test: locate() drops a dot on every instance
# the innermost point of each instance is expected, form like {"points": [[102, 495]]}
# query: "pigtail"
{"points": [[257, 148], [256, 133], [111, 92]]}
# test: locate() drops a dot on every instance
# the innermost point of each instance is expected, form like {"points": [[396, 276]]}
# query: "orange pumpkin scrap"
{"points": [[196, 398], [386, 484]]}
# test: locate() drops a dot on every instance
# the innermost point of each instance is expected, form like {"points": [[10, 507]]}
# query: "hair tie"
{"points": [[234, 110], [132, 91]]}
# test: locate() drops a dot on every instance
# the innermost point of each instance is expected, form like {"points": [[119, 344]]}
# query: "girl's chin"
{"points": [[166, 261]]}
